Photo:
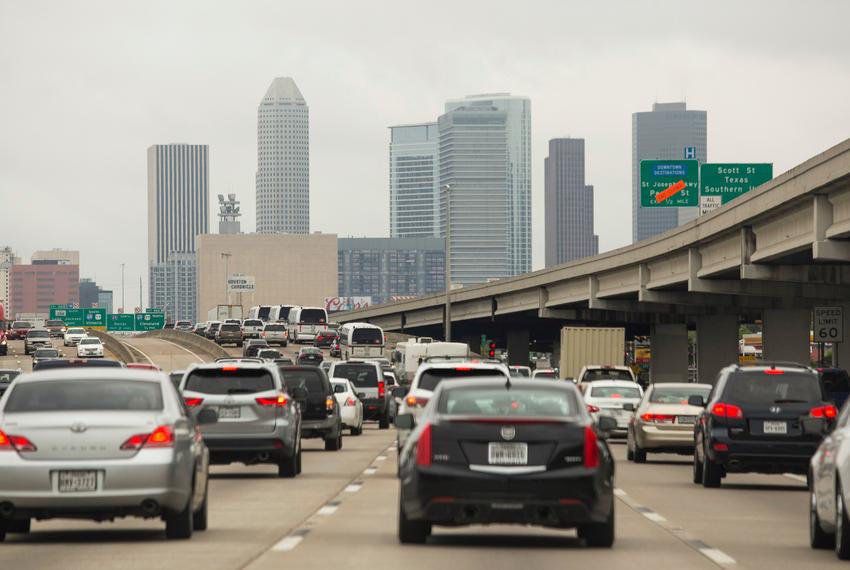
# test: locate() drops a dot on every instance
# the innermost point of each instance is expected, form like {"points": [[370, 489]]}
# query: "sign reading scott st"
{"points": [[727, 181], [669, 183]]}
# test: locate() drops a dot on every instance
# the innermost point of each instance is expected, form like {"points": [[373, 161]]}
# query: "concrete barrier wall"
{"points": [[197, 344], [115, 346]]}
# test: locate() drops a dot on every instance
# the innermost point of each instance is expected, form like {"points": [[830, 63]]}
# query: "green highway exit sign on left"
{"points": [[669, 183]]}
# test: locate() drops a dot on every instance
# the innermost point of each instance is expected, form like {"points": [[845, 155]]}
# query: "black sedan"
{"points": [[309, 356], [492, 450]]}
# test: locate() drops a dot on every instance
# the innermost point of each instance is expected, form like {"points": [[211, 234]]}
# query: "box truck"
{"points": [[224, 312], [586, 346]]}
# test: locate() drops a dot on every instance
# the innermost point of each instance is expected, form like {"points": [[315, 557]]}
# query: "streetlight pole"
{"points": [[226, 257], [447, 322], [122, 289]]}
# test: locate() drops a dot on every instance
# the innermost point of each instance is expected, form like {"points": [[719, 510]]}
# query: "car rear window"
{"points": [[433, 376], [615, 392], [229, 328], [313, 316], [76, 331], [516, 401], [252, 323], [275, 328], [836, 380], [676, 395], [219, 381], [520, 373], [90, 341], [22, 325], [38, 334], [311, 380], [758, 387], [605, 374], [360, 375], [43, 352], [85, 395], [268, 353], [546, 375], [54, 324], [79, 363], [367, 336]]}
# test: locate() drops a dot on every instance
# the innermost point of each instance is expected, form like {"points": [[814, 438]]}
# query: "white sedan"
{"points": [[607, 398], [90, 346], [350, 405], [73, 335]]}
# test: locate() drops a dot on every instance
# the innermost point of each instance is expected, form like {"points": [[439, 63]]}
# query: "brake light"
{"points": [[229, 368], [773, 371], [463, 368], [423, 447], [16, 442], [828, 412], [658, 418], [591, 448], [329, 403], [416, 401], [279, 401], [720, 447], [592, 409], [722, 410], [163, 436], [382, 388], [350, 402], [193, 402]]}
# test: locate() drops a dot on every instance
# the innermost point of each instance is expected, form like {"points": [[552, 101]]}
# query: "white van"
{"points": [[408, 355], [306, 322], [280, 313], [361, 340], [260, 312]]}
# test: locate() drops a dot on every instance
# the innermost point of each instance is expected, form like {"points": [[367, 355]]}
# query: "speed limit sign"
{"points": [[828, 324]]}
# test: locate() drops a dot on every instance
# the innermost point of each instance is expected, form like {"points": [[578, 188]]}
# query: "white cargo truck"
{"points": [[588, 346], [407, 355], [224, 312]]}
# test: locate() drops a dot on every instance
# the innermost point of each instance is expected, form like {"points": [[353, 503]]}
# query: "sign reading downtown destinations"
{"points": [[721, 183], [669, 183]]}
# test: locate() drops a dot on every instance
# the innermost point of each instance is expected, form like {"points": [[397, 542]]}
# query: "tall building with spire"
{"points": [[283, 160]]}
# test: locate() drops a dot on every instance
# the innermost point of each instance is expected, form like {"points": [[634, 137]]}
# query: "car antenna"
{"points": [[508, 382]]}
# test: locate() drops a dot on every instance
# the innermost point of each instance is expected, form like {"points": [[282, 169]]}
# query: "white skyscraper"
{"points": [[283, 160], [414, 181]]}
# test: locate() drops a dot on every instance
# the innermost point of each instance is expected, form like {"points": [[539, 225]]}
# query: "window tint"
{"points": [[263, 312], [836, 381], [90, 341], [46, 352], [76, 331], [275, 328], [81, 395], [519, 402], [308, 379], [313, 316], [22, 325], [229, 328], [268, 353], [432, 377], [360, 375], [676, 395], [284, 313], [546, 375], [520, 373], [367, 336], [38, 334], [614, 392], [240, 381], [53, 323], [760, 388], [605, 374]]}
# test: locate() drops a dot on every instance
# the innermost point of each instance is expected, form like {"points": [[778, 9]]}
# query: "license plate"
{"points": [[77, 481], [507, 453], [775, 427], [690, 420], [230, 413]]}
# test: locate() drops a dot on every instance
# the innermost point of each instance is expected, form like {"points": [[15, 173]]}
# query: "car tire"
{"points": [[384, 421], [200, 517], [599, 535], [711, 473], [333, 444], [20, 526], [842, 527], [630, 454], [697, 469], [298, 460], [411, 531], [818, 539], [288, 466], [178, 526], [357, 430], [638, 454]]}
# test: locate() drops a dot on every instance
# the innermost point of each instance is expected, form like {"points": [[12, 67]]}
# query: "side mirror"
{"points": [[399, 391], [813, 426], [407, 421], [299, 393], [339, 389], [696, 400], [361, 395], [629, 407], [606, 424], [207, 416]]}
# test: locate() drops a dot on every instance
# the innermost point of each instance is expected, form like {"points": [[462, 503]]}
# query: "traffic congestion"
{"points": [[478, 444]]}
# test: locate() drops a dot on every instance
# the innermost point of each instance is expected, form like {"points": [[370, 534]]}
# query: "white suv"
{"points": [[90, 346], [594, 372]]}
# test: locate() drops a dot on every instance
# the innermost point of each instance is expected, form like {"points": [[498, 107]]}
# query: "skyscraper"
{"points": [[485, 159], [568, 204], [414, 181], [178, 211], [663, 134], [283, 160]]}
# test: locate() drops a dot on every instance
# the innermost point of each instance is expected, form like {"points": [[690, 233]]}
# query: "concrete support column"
{"points": [[518, 352], [669, 344], [717, 345], [786, 334]]}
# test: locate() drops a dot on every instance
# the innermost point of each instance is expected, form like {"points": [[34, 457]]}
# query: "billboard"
{"points": [[337, 304], [240, 283]]}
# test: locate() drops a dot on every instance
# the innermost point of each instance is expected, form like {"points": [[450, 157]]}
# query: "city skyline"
{"points": [[575, 80]]}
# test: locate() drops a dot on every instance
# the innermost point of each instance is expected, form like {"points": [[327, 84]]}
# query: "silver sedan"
{"points": [[101, 444]]}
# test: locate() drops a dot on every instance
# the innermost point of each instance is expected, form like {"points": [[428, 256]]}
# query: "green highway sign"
{"points": [[71, 317], [149, 321], [153, 310], [94, 318], [669, 183], [120, 322], [722, 183]]}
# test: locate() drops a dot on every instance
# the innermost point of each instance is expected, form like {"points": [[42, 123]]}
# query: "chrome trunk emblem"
{"points": [[508, 432], [775, 409], [78, 427]]}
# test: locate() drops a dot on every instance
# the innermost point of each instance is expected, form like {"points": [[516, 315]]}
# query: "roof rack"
{"points": [[775, 363]]}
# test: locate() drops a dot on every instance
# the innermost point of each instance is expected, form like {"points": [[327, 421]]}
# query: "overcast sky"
{"points": [[86, 87]]}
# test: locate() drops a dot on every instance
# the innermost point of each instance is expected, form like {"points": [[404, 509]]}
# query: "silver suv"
{"points": [[37, 338], [101, 444], [258, 420]]}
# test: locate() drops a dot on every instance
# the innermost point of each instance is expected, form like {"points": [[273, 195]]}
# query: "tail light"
{"points": [[278, 401], [193, 402], [423, 447], [412, 401], [350, 402], [774, 371], [731, 411], [163, 436], [329, 403], [592, 409], [658, 418], [591, 448], [827, 412], [16, 442], [382, 388]]}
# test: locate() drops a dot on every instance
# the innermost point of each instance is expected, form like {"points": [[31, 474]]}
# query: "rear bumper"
{"points": [[328, 427], [653, 437], [250, 449], [374, 408], [763, 456]]}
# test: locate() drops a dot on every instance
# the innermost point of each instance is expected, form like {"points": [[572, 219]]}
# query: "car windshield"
{"points": [[665, 395], [274, 328], [520, 373], [46, 352], [227, 380], [7, 376], [605, 374], [90, 341], [21, 325], [76, 331], [85, 395], [362, 335], [517, 401], [54, 324], [836, 380], [229, 328], [615, 392], [759, 387], [547, 374], [38, 334], [432, 377], [252, 323], [313, 316], [360, 375], [308, 379]]}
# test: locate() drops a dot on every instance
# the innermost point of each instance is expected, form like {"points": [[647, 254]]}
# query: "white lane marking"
{"points": [[327, 510], [370, 471], [717, 556], [139, 350], [381, 458], [288, 543], [353, 488], [199, 359], [619, 492], [794, 476], [654, 517]]}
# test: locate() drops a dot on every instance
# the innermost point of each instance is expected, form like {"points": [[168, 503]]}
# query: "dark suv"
{"points": [[752, 421], [229, 333], [367, 377], [320, 413]]}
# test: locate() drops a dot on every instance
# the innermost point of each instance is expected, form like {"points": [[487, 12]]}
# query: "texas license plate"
{"points": [[689, 420], [77, 481], [229, 413], [775, 427], [507, 453]]}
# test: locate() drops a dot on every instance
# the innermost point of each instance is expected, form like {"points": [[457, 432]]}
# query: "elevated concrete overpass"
{"points": [[771, 254]]}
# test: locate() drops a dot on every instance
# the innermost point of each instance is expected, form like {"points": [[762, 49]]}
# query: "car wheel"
{"points": [[638, 454], [298, 460], [288, 466], [199, 518], [711, 473], [333, 444], [599, 535], [697, 468], [384, 422], [842, 526], [818, 539], [21, 526], [179, 525], [411, 531], [357, 430], [630, 454]]}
